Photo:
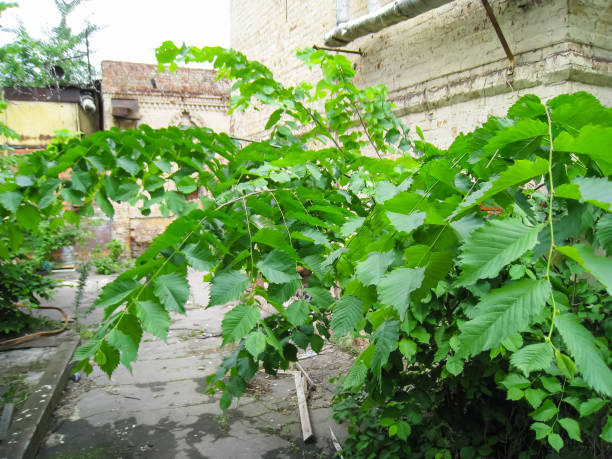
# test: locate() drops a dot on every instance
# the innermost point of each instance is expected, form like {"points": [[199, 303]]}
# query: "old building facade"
{"points": [[135, 94], [445, 68]]}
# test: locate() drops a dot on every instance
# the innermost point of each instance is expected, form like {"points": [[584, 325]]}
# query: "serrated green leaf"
{"points": [[438, 266], [541, 430], [125, 337], [555, 441], [604, 232], [154, 318], [10, 200], [199, 256], [297, 312], [278, 268], [311, 234], [255, 343], [551, 384], [372, 269], [25, 180], [533, 357], [115, 293], [454, 365], [583, 347], [565, 364], [571, 427], [524, 129], [592, 141], [606, 432], [591, 406], [520, 172], [238, 322], [384, 191], [387, 422], [86, 350], [346, 313], [351, 226], [227, 286], [320, 297], [493, 246], [408, 348], [594, 190], [403, 430], [272, 340], [175, 202], [535, 397], [356, 375], [515, 380], [501, 313], [226, 400], [107, 358], [153, 182], [186, 184], [172, 290], [128, 165], [385, 341], [104, 204], [528, 106], [545, 412], [600, 267], [395, 288], [275, 239], [316, 343], [406, 223], [81, 181], [28, 216], [514, 394]]}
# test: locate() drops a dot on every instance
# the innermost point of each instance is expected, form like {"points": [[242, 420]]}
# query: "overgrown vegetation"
{"points": [[480, 274], [24, 270], [107, 259]]}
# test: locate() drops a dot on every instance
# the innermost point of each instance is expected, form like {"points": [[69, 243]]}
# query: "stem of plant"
{"points": [[551, 192]]}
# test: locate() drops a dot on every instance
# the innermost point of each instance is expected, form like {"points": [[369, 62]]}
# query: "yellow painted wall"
{"points": [[37, 122]]}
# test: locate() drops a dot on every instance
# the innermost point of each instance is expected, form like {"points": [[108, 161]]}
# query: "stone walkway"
{"points": [[160, 410]]}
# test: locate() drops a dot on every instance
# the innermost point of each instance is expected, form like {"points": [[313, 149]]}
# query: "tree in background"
{"points": [[28, 61]]}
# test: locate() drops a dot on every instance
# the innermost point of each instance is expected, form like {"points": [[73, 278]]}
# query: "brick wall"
{"points": [[446, 70], [185, 97]]}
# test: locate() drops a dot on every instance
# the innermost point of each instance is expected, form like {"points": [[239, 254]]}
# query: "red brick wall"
{"points": [[129, 77]]}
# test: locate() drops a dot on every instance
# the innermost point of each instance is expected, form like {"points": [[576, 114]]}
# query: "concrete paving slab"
{"points": [[31, 421], [160, 410]]}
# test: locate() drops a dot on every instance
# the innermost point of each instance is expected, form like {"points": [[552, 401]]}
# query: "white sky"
{"points": [[132, 28]]}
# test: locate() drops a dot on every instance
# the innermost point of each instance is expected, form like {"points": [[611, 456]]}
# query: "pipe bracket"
{"points": [[500, 35]]}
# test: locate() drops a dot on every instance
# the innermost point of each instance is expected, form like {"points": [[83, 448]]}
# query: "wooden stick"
{"points": [[310, 382], [335, 441], [303, 406]]}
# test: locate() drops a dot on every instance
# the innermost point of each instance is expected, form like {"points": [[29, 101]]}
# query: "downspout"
{"points": [[342, 11], [390, 14]]}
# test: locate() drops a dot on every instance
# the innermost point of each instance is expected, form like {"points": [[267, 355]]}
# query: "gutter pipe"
{"points": [[390, 14]]}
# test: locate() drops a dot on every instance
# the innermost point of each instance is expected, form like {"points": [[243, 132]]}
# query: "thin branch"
{"points": [[361, 119]]}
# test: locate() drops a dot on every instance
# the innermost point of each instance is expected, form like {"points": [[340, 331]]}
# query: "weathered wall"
{"points": [[185, 97], [190, 97], [446, 70]]}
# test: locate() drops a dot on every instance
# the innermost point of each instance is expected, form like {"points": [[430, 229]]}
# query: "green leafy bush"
{"points": [[106, 260], [480, 274]]}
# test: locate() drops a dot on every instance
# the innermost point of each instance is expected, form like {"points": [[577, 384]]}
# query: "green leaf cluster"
{"points": [[479, 274]]}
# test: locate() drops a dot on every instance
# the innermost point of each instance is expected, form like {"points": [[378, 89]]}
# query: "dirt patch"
{"points": [[279, 391]]}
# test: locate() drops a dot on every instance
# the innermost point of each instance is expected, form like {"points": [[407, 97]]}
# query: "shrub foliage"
{"points": [[480, 274]]}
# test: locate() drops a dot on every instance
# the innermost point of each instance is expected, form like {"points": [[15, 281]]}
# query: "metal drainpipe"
{"points": [[388, 15], [342, 11]]}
